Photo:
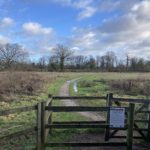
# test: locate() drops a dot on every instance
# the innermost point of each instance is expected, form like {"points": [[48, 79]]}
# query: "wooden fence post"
{"points": [[50, 119], [43, 119], [148, 132], [38, 140], [108, 104], [50, 113], [130, 126]]}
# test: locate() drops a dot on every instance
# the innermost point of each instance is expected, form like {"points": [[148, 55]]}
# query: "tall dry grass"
{"points": [[24, 83], [132, 86]]}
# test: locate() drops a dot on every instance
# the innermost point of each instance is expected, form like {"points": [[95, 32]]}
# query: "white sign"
{"points": [[117, 117]]}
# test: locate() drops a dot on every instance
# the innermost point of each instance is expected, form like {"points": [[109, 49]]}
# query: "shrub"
{"points": [[131, 87]]}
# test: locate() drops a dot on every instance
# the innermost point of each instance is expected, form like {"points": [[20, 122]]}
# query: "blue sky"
{"points": [[89, 27]]}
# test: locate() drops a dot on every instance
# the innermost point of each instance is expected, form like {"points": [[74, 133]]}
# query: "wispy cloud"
{"points": [[34, 28], [6, 22], [4, 40], [86, 8], [87, 13]]}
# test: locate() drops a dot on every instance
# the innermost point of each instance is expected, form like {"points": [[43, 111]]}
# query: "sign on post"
{"points": [[117, 117]]}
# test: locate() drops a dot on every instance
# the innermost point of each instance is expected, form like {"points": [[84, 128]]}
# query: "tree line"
{"points": [[13, 56]]}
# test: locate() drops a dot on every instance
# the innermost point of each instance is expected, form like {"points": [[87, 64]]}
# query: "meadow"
{"points": [[19, 89]]}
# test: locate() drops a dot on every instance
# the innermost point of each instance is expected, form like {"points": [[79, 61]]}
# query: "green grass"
{"points": [[102, 88]]}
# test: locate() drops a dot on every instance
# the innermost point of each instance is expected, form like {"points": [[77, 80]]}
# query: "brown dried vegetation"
{"points": [[131, 86], [23, 83]]}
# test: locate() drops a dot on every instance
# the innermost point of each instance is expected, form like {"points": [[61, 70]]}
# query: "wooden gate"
{"points": [[45, 124], [133, 107]]}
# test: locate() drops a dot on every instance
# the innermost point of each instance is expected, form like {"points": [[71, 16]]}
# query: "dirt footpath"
{"points": [[64, 91], [91, 137]]}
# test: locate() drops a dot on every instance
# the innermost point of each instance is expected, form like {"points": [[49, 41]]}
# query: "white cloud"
{"points": [[34, 28], [142, 10], [6, 22], [126, 33], [85, 7], [113, 5], [4, 40], [119, 24], [87, 13], [82, 3], [108, 5]]}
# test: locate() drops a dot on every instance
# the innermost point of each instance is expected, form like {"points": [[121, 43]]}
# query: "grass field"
{"points": [[14, 94]]}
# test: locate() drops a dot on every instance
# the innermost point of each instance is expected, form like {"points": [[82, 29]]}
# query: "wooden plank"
{"points": [[124, 137], [135, 129], [17, 110], [130, 126], [49, 101], [62, 126], [130, 100], [38, 139], [141, 121], [49, 122], [111, 135], [79, 97], [141, 129], [43, 119], [139, 109], [48, 117], [80, 122], [75, 108], [144, 111], [148, 132], [108, 104], [85, 144]]}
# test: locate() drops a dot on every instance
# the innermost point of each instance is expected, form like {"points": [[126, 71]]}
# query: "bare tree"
{"points": [[53, 63], [111, 60], [11, 54], [62, 53], [127, 62], [42, 62]]}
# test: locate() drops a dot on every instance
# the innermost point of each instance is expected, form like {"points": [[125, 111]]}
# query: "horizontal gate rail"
{"points": [[142, 121], [79, 97], [144, 111], [135, 129], [80, 122], [17, 110], [124, 137], [130, 100], [76, 108], [62, 126], [85, 144]]}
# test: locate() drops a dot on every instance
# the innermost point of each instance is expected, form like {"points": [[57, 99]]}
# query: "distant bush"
{"points": [[132, 86]]}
